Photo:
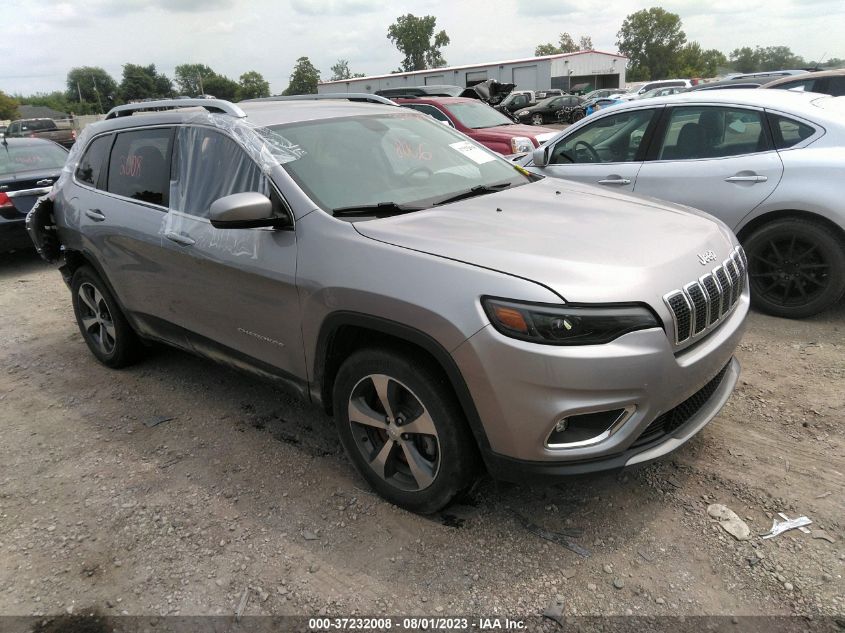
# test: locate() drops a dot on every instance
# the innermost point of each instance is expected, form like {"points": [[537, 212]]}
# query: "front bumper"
{"points": [[521, 390]]}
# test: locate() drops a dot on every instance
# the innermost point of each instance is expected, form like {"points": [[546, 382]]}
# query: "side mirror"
{"points": [[247, 210], [540, 156]]}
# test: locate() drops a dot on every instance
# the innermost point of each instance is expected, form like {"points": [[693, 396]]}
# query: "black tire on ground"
{"points": [[409, 383], [796, 267], [537, 119], [106, 331]]}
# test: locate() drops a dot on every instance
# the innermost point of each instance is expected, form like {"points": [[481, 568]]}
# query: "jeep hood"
{"points": [[583, 242]]}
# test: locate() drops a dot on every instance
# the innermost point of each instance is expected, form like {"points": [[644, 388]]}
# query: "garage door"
{"points": [[437, 80], [525, 77]]}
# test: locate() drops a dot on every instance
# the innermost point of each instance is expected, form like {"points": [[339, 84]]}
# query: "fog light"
{"points": [[587, 428]]}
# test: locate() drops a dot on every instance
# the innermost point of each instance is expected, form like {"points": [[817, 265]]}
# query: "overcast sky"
{"points": [[43, 39]]}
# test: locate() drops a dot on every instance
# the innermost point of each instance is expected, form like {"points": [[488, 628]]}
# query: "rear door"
{"points": [[608, 151], [719, 159], [121, 202]]}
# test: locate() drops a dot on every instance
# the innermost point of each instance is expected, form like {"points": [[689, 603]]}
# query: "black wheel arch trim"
{"points": [[334, 321]]}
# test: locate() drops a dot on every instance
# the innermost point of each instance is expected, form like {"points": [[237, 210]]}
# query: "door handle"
{"points": [[754, 178], [182, 240], [45, 182], [95, 215], [614, 181]]}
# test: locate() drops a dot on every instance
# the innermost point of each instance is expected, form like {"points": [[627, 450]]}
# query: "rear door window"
{"points": [[787, 132], [91, 165], [713, 132], [139, 167]]}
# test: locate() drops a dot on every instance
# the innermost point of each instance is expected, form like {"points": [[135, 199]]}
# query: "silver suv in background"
{"points": [[449, 308]]}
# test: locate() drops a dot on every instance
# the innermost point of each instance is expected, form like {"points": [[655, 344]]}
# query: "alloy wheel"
{"points": [[537, 119], [97, 321], [394, 432], [789, 270]]}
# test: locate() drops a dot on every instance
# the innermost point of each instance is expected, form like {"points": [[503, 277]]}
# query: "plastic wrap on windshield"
{"points": [[264, 146]]}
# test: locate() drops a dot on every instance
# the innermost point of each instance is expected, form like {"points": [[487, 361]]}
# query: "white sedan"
{"points": [[769, 163]]}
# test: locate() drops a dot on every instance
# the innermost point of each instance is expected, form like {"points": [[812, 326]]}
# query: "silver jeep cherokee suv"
{"points": [[446, 306]]}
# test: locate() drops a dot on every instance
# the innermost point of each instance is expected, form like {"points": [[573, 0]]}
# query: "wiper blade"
{"points": [[478, 190], [368, 210]]}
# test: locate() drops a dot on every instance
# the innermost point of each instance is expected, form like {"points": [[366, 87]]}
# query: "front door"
{"points": [[231, 289], [719, 159], [607, 151]]}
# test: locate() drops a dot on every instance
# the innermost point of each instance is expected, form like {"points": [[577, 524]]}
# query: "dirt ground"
{"points": [[244, 498]]}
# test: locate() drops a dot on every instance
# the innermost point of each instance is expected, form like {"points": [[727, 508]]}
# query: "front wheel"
{"points": [[796, 268], [403, 430], [537, 119]]}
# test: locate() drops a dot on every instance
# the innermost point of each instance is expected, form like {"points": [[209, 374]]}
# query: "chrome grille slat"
{"points": [[701, 305]]}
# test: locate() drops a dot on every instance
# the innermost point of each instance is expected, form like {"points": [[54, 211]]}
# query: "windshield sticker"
{"points": [[475, 154]]}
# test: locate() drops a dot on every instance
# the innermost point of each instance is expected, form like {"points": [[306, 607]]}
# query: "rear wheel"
{"points": [[103, 326], [403, 430], [796, 268]]}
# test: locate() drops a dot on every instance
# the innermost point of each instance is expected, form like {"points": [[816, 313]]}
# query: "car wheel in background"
{"points": [[796, 268], [104, 328], [536, 119], [403, 430]]}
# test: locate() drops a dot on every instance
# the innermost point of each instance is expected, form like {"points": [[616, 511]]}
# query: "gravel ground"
{"points": [[243, 492]]}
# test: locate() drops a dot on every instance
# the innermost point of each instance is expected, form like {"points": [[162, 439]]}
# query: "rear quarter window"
{"points": [[91, 165], [788, 132]]}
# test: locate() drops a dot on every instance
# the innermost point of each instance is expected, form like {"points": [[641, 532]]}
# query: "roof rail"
{"points": [[348, 96], [218, 106]]}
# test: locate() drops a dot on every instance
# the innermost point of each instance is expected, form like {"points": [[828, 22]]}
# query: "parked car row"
{"points": [[41, 128]]}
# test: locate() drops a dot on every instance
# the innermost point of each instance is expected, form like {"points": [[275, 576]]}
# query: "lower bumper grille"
{"points": [[677, 417]]}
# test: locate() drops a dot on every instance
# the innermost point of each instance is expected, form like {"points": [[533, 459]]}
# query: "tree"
{"points": [[303, 79], [190, 78], [748, 60], [341, 70], [652, 39], [413, 37], [222, 87], [565, 45], [94, 85], [253, 85], [143, 82], [8, 106], [693, 61]]}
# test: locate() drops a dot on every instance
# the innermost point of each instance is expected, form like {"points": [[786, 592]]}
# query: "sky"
{"points": [[43, 39]]}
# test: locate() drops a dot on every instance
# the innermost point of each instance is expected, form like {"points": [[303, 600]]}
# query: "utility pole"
{"points": [[202, 92], [79, 91], [97, 92]]}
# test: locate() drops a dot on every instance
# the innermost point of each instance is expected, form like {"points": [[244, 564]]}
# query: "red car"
{"points": [[481, 123]]}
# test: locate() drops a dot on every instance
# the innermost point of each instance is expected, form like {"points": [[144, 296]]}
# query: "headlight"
{"points": [[564, 324], [523, 113], [520, 144]]}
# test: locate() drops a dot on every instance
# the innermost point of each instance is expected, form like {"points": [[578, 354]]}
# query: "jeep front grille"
{"points": [[702, 304]]}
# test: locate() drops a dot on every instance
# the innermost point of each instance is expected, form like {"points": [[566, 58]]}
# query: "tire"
{"points": [[443, 453], [103, 326], [796, 268], [537, 119]]}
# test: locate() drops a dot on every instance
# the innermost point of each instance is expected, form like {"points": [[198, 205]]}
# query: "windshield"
{"points": [[400, 159], [477, 115], [40, 156]]}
